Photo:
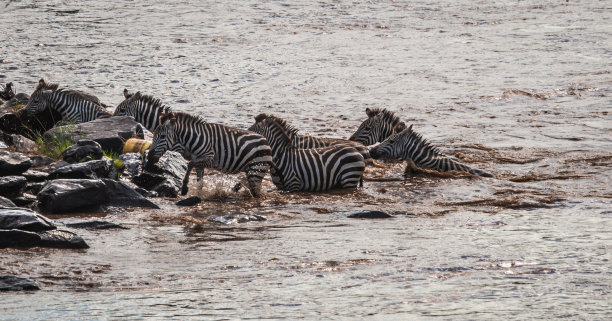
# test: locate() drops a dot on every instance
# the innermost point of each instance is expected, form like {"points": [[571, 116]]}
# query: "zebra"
{"points": [[7, 92], [74, 106], [308, 169], [411, 146], [209, 145], [302, 141], [381, 123], [144, 108]]}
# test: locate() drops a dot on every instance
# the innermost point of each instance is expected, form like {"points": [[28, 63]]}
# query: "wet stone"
{"points": [[237, 218], [165, 177], [26, 200], [101, 168], [189, 201], [40, 161], [6, 203], [34, 187], [26, 220], [132, 162], [35, 176], [92, 225], [67, 195], [83, 148], [370, 214], [62, 239], [16, 283], [12, 186], [13, 163], [123, 194], [18, 239]]}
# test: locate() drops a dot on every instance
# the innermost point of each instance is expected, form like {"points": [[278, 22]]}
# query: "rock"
{"points": [[122, 194], [67, 195], [62, 239], [83, 148], [35, 176], [237, 218], [35, 187], [15, 283], [166, 177], [109, 132], [3, 144], [56, 165], [370, 214], [6, 203], [93, 225], [101, 168], [12, 186], [25, 200], [19, 123], [132, 162], [21, 144], [189, 201], [21, 219], [12, 163], [39, 161], [18, 239]]}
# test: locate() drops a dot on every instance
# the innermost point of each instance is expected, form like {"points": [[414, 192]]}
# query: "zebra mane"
{"points": [[289, 132], [42, 85], [152, 101], [80, 95], [412, 135], [388, 116], [181, 115]]}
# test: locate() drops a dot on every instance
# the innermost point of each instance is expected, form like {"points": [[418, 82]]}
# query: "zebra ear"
{"points": [[165, 118], [41, 84], [369, 112], [136, 95], [126, 94], [260, 117]]}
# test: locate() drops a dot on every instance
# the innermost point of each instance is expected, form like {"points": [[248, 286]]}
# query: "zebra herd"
{"points": [[295, 162]]}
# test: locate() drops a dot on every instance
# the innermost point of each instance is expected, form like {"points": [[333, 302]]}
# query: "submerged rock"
{"points": [[12, 186], [237, 218], [83, 148], [12, 163], [166, 177], [109, 132], [68, 195], [370, 214], [21, 219], [123, 194], [18, 239], [16, 283], [62, 239], [93, 225], [189, 201]]}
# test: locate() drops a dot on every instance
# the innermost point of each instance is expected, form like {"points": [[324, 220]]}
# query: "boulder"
{"points": [[12, 186], [34, 187], [21, 219], [165, 177], [19, 123], [6, 203], [189, 201], [18, 239], [370, 214], [20, 144], [83, 148], [35, 176], [12, 163], [92, 224], [94, 169], [132, 163], [40, 161], [68, 195], [123, 194], [62, 239], [15, 283], [237, 218], [109, 132], [25, 200]]}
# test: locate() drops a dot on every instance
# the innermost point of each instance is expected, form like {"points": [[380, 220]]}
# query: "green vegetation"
{"points": [[118, 163], [55, 145]]}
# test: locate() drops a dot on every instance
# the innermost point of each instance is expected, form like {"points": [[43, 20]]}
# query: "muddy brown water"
{"points": [[521, 90]]}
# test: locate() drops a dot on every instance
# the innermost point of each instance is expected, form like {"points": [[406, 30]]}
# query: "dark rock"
{"points": [[19, 143], [5, 202], [166, 177], [370, 214], [15, 283], [62, 239], [13, 163], [67, 195], [109, 132], [101, 168], [19, 123], [122, 194], [12, 186], [35, 176], [83, 148], [21, 219], [39, 161], [93, 225], [58, 164], [237, 218], [132, 162], [25, 200], [18, 239], [35, 187], [189, 201]]}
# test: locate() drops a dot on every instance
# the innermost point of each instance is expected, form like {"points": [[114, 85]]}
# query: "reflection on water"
{"points": [[521, 91]]}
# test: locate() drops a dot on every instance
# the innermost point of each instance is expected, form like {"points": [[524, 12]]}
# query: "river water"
{"points": [[519, 89]]}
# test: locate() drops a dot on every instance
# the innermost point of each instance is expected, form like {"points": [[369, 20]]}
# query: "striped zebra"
{"points": [[411, 146], [312, 169], [381, 123], [206, 145], [144, 108], [302, 141], [74, 106]]}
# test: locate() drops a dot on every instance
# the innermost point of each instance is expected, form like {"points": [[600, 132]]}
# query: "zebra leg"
{"points": [[255, 174], [184, 188]]}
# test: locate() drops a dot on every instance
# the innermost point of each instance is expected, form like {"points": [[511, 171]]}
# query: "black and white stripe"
{"points": [[312, 169], [411, 146], [303, 141], [144, 108], [381, 123], [74, 106], [207, 145]]}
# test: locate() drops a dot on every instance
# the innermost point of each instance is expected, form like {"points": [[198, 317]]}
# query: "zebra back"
{"points": [[381, 123], [144, 108], [410, 145]]}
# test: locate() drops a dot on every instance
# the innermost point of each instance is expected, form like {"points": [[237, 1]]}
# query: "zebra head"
{"points": [[128, 105], [381, 123], [163, 139], [395, 146], [40, 98], [276, 130]]}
